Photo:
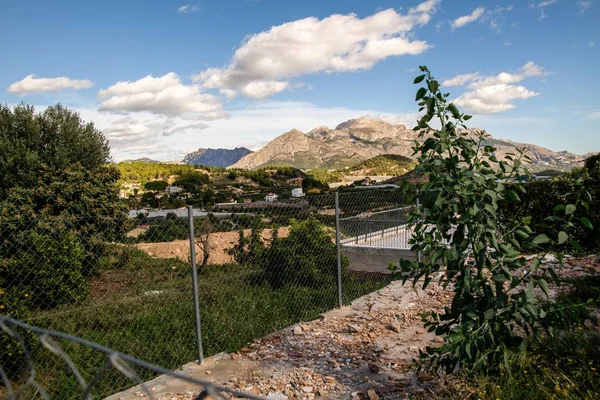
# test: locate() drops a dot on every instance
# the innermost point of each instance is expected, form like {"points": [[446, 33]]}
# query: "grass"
{"points": [[121, 313]]}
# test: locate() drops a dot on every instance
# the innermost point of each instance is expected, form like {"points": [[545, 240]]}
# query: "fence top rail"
{"points": [[364, 216]]}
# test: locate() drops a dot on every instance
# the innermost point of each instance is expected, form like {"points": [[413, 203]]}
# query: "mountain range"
{"points": [[216, 157], [359, 139]]}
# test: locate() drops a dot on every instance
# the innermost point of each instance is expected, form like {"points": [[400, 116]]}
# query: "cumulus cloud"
{"points": [[493, 94], [467, 19], [494, 98], [265, 63], [32, 84], [165, 95], [460, 80]]}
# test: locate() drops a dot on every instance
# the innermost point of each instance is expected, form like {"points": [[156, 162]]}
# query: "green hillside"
{"points": [[386, 164]]}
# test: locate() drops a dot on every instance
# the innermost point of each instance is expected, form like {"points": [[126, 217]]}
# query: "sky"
{"points": [[162, 78]]}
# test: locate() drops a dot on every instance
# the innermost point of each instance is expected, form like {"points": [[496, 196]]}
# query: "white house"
{"points": [[173, 189], [297, 192], [271, 197]]}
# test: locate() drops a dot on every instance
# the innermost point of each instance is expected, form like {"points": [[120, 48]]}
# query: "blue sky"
{"points": [[164, 77]]}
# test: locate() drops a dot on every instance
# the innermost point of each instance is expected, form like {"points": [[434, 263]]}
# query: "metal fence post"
{"points": [[418, 211], [195, 283], [339, 250]]}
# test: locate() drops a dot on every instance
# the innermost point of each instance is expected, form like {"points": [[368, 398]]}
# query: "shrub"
{"points": [[14, 303], [542, 197], [51, 269]]}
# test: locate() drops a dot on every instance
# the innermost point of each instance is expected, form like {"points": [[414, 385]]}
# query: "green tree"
{"points": [[476, 253], [192, 181], [55, 139], [156, 186]]}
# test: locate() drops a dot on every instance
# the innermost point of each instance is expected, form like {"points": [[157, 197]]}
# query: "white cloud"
{"points": [[594, 115], [542, 16], [467, 19], [591, 44], [493, 98], [263, 89], [460, 80], [492, 94], [266, 61], [507, 43], [584, 5], [188, 8], [165, 95], [542, 4], [495, 17], [31, 84]]}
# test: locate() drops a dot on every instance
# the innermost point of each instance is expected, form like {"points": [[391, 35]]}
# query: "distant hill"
{"points": [[216, 157], [385, 164], [359, 139], [143, 159]]}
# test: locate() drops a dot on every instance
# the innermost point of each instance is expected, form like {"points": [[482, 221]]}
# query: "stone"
{"points": [[372, 394], [393, 327], [208, 372], [276, 396], [353, 328], [298, 330], [256, 373], [374, 368], [329, 379], [307, 389], [254, 390]]}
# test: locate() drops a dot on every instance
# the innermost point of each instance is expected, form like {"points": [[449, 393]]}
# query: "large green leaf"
{"points": [[541, 239]]}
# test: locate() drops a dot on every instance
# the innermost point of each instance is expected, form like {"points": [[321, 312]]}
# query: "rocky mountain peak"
{"points": [[365, 137]]}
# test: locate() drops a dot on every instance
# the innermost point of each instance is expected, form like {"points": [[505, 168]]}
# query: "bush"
{"points": [[542, 197], [51, 269], [306, 257], [14, 303]]}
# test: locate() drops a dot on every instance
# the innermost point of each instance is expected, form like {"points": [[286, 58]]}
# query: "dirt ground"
{"points": [[219, 243]]}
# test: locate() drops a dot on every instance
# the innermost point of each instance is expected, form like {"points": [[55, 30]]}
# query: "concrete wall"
{"points": [[368, 259]]}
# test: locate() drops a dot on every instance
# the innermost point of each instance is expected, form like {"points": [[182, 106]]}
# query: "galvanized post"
{"points": [[339, 250], [418, 213], [195, 283]]}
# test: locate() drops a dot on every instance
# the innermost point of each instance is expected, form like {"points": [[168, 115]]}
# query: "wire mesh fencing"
{"points": [[127, 282], [33, 344]]}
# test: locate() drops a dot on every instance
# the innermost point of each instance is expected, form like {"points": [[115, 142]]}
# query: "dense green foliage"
{"points": [[53, 140], [157, 186], [58, 205], [305, 257], [143, 172], [385, 164], [478, 254], [542, 197]]}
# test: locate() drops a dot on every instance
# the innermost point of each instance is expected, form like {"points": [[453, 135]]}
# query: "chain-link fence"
{"points": [[128, 283], [34, 344]]}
